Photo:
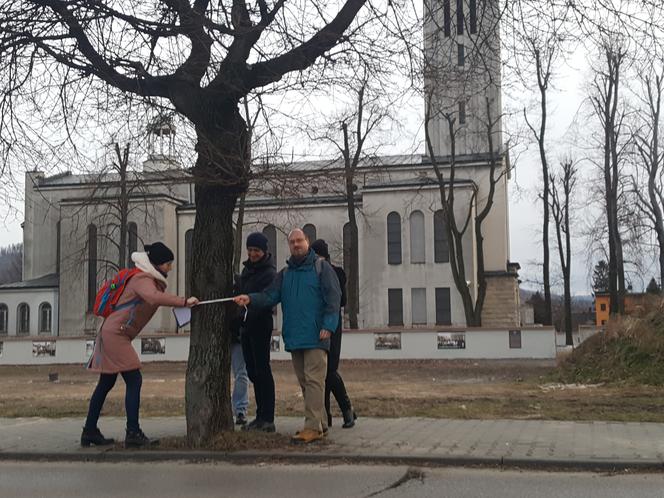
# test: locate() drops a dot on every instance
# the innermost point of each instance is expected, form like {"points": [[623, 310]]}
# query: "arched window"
{"points": [[393, 238], [92, 266], [132, 241], [188, 252], [347, 254], [45, 314], [441, 249], [417, 237], [310, 231], [271, 233], [23, 319], [346, 247], [4, 319]]}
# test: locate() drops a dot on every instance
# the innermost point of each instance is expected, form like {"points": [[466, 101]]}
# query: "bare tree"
{"points": [[540, 33], [606, 101], [650, 154], [202, 58], [562, 189]]}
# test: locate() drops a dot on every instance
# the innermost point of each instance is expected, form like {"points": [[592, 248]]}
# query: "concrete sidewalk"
{"points": [[418, 441]]}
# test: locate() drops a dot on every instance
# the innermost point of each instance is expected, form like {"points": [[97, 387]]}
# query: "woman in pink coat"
{"points": [[114, 354]]}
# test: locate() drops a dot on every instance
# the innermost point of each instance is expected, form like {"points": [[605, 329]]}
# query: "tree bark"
{"points": [[222, 156]]}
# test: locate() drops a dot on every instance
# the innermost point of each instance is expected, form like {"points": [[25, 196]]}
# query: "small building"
{"points": [[633, 302]]}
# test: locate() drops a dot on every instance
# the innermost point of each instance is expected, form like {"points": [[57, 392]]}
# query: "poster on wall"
{"points": [[153, 345], [41, 349], [275, 344], [387, 340], [448, 340]]}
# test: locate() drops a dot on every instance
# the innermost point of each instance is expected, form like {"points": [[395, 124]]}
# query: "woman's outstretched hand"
{"points": [[191, 302]]}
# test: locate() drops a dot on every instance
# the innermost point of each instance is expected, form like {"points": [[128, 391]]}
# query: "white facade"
{"points": [[534, 343]]}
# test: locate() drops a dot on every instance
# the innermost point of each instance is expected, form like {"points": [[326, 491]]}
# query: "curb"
{"points": [[251, 457]]}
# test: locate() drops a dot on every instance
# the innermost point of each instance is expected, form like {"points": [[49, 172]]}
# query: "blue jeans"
{"points": [[240, 397]]}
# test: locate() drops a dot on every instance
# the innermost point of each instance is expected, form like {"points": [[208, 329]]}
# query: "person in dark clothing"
{"points": [[256, 330], [333, 382]]}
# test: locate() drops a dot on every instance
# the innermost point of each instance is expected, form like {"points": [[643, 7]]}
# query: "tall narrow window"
{"points": [[447, 18], [132, 242], [57, 247], [441, 248], [4, 319], [393, 238], [188, 260], [461, 55], [45, 314], [395, 306], [23, 319], [417, 252], [473, 16], [462, 112], [347, 254], [310, 231], [419, 306], [346, 247], [271, 233], [459, 17], [92, 266], [443, 306]]}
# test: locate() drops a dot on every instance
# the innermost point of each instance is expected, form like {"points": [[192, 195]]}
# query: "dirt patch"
{"points": [[431, 388]]}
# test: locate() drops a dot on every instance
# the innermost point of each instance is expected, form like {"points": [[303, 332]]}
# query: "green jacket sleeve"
{"points": [[271, 296]]}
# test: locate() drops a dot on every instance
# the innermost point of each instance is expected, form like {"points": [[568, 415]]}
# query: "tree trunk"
{"points": [[220, 179]]}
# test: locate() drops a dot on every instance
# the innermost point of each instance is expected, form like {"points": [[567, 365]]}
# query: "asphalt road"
{"points": [[174, 479]]}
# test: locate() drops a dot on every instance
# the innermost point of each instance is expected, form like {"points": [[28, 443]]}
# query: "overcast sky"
{"points": [[525, 211]]}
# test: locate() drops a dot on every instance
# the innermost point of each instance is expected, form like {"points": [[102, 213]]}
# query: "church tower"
{"points": [[462, 75]]}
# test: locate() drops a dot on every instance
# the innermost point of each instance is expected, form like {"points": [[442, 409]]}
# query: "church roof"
{"points": [[50, 281]]}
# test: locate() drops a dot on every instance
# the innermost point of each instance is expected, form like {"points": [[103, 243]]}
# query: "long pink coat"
{"points": [[113, 351]]}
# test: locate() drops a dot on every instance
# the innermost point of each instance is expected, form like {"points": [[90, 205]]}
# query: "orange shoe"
{"points": [[307, 436]]}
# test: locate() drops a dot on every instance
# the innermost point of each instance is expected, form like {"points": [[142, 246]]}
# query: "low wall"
{"points": [[478, 343]]}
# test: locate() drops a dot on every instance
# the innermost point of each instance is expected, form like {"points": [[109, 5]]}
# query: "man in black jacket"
{"points": [[256, 330], [333, 382]]}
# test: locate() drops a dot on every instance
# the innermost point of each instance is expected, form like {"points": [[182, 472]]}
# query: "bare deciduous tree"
{"points": [[606, 102], [202, 58], [562, 189]]}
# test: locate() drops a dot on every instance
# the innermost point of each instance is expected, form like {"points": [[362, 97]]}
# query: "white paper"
{"points": [[182, 316]]}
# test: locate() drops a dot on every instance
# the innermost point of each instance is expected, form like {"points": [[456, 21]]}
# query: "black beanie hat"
{"points": [[257, 240], [320, 247], [159, 254]]}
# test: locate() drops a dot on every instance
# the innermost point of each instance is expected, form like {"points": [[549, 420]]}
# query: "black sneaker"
{"points": [[240, 419], [259, 425], [138, 439], [94, 437]]}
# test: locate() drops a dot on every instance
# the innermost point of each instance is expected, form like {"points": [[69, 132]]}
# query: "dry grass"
{"points": [[431, 388]]}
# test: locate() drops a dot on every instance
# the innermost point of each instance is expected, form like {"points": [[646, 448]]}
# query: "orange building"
{"points": [[603, 304]]}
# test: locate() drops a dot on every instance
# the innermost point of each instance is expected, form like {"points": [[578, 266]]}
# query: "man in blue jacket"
{"points": [[309, 293]]}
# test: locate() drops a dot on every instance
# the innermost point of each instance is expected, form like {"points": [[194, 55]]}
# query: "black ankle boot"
{"points": [[138, 439], [94, 437], [349, 418], [329, 419]]}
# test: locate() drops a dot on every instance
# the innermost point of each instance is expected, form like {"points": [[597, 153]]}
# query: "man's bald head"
{"points": [[298, 243]]}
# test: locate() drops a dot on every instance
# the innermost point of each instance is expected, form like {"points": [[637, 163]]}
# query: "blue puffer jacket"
{"points": [[309, 301]]}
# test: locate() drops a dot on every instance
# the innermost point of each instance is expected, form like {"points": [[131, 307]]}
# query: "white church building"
{"points": [[406, 288]]}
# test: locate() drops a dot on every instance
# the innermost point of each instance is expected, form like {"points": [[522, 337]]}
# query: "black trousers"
{"points": [[333, 382], [256, 351], [133, 381]]}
